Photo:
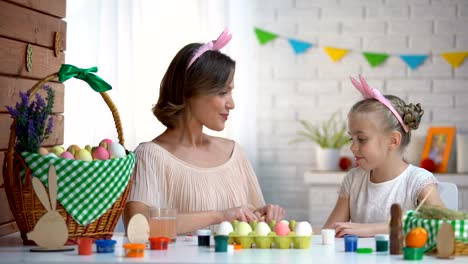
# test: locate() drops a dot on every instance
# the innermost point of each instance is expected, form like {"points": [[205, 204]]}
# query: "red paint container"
{"points": [[85, 246], [159, 243]]}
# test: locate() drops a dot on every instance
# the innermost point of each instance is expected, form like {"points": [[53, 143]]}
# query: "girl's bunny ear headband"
{"points": [[368, 92], [218, 44]]}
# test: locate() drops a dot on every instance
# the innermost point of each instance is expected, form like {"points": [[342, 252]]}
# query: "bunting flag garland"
{"points": [[335, 53], [414, 61], [264, 36], [375, 59], [299, 46], [455, 58]]}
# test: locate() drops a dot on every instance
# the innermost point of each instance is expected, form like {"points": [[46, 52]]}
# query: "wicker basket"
{"points": [[432, 226], [24, 203]]}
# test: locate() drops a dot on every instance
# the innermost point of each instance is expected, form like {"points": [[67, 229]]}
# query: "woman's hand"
{"points": [[241, 213], [270, 212], [361, 230]]}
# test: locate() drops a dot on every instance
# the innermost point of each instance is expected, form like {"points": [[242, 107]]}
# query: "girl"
{"points": [[380, 129], [208, 179]]}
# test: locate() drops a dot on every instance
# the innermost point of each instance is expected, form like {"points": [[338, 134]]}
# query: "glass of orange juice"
{"points": [[163, 222]]}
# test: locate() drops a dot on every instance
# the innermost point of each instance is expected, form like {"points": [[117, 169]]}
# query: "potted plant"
{"points": [[330, 136]]}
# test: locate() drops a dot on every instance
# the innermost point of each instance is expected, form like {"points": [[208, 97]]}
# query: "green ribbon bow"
{"points": [[68, 71]]}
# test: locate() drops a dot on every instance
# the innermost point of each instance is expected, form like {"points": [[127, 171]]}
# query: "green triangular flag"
{"points": [[265, 36], [375, 59]]}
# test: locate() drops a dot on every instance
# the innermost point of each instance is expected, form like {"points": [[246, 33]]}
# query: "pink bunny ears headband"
{"points": [[368, 92], [218, 44]]}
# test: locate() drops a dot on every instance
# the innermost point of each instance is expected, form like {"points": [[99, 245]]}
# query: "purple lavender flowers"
{"points": [[33, 121]]}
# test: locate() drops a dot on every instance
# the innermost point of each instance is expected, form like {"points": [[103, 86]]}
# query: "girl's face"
{"points": [[212, 111], [369, 142]]}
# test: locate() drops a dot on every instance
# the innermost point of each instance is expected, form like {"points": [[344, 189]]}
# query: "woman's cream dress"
{"points": [[162, 180]]}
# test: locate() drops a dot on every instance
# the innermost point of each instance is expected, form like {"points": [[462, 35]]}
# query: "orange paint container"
{"points": [[134, 250], [85, 245], [159, 243]]}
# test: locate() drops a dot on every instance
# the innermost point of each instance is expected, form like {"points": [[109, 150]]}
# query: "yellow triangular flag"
{"points": [[335, 53], [454, 58]]}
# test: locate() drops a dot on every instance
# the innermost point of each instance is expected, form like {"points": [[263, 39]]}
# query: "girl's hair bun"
{"points": [[412, 115]]}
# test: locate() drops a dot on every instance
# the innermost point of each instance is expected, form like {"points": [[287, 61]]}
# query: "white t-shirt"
{"points": [[370, 202]]}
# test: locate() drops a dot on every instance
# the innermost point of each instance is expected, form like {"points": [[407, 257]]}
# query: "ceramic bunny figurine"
{"points": [[51, 231]]}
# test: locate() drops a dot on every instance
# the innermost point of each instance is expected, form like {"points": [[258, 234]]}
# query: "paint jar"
{"points": [[204, 237], [159, 243], [105, 246], [350, 243], [85, 245], [381, 243], [328, 236], [413, 253], [230, 248], [221, 243], [134, 250]]}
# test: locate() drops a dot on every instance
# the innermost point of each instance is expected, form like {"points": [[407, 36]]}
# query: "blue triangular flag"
{"points": [[413, 61], [299, 46]]}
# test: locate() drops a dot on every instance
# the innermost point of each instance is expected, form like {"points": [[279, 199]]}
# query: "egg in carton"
{"points": [[283, 234]]}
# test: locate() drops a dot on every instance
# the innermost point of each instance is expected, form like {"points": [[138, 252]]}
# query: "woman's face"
{"points": [[212, 111]]}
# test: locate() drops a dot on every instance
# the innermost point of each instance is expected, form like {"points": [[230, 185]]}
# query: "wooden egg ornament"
{"points": [[445, 241], [138, 230], [50, 232]]}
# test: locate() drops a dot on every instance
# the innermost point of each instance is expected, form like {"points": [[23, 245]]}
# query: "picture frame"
{"points": [[439, 141]]}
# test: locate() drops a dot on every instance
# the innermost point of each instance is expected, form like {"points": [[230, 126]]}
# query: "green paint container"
{"points": [[381, 243], [221, 243]]}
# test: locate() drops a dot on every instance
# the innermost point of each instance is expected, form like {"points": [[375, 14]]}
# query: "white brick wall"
{"points": [[310, 86]]}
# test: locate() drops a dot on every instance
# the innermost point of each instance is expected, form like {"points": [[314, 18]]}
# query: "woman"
{"points": [[208, 179]]}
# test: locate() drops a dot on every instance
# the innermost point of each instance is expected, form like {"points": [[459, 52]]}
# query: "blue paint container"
{"points": [[350, 242], [105, 246]]}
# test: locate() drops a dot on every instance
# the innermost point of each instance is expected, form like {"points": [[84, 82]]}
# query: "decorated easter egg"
{"points": [[262, 229], [101, 153], [43, 151], [67, 155], [282, 229], [58, 150], [224, 228], [105, 143], [116, 150], [243, 229], [303, 228], [84, 155]]}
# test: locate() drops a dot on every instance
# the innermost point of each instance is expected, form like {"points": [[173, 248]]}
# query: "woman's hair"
{"points": [[411, 115], [208, 75]]}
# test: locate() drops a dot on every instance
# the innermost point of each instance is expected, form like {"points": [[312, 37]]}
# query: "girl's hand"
{"points": [[241, 213], [270, 212], [361, 230]]}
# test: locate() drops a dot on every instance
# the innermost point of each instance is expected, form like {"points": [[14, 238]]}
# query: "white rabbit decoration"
{"points": [[50, 232]]}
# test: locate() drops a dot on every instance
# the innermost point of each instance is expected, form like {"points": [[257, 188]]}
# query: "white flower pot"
{"points": [[327, 159]]}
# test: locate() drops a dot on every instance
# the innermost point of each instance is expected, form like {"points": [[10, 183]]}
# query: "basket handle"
{"points": [[9, 156]]}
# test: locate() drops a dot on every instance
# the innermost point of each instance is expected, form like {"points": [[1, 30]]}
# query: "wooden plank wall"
{"points": [[34, 22]]}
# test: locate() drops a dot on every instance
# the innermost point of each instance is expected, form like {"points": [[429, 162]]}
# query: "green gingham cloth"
{"points": [[85, 189], [410, 221]]}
